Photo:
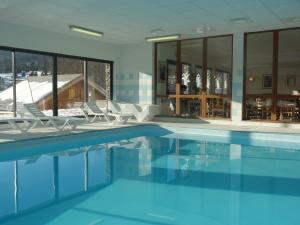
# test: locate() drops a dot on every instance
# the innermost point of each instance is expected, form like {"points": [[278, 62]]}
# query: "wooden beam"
{"points": [[204, 80], [155, 74], [85, 83], [111, 83], [245, 79], [275, 75], [178, 76]]}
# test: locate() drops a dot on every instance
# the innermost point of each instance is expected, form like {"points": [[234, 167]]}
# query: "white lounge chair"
{"points": [[118, 110], [21, 124], [143, 112], [92, 109], [55, 121]]}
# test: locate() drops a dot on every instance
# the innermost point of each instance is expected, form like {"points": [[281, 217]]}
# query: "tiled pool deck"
{"points": [[7, 134]]}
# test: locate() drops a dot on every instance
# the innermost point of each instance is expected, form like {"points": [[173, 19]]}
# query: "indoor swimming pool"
{"points": [[150, 175]]}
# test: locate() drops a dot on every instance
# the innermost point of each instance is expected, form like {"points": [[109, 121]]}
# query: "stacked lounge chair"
{"points": [[60, 123], [140, 112], [91, 109]]}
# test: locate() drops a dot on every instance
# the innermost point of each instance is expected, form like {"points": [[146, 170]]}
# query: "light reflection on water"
{"points": [[152, 180]]}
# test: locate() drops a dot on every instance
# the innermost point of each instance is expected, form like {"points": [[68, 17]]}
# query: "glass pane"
{"points": [[191, 59], [72, 163], [218, 107], [167, 106], [219, 63], [190, 108], [259, 57], [35, 181], [166, 68], [98, 166], [6, 85], [98, 80], [34, 81], [7, 184], [70, 85], [166, 77], [288, 85]]}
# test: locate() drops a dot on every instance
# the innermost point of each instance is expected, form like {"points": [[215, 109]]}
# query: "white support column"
{"points": [[235, 184], [237, 77]]}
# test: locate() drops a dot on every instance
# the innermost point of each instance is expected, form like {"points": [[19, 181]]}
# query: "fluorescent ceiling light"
{"points": [[239, 20], [86, 31], [201, 30], [163, 38]]}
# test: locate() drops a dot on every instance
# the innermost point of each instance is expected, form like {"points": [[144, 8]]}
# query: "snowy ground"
{"points": [[61, 112]]}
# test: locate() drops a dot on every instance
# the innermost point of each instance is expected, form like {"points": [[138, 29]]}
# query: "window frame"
{"points": [[55, 56], [275, 57], [203, 95]]}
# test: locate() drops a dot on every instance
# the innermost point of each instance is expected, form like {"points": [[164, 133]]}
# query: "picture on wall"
{"points": [[291, 81], [162, 70], [171, 74], [267, 81], [198, 72]]}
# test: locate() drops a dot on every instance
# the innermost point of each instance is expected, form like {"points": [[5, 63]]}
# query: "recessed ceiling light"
{"points": [[163, 38], [201, 30], [239, 20], [86, 31], [156, 31]]}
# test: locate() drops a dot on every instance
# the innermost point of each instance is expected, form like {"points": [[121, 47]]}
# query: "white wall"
{"points": [[25, 37], [132, 63], [237, 77], [133, 81], [13, 35]]}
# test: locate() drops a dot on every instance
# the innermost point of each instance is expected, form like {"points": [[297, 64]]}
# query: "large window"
{"points": [[6, 84], [166, 77], [33, 80], [219, 63], [200, 84], [27, 77], [98, 76], [191, 77], [258, 78], [70, 85], [272, 79], [288, 85]]}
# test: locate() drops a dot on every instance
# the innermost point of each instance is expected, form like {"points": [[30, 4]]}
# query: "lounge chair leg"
{"points": [[34, 124], [86, 115], [107, 118], [52, 122], [16, 126], [95, 117]]}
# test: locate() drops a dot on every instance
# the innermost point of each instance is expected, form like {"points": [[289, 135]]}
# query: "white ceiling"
{"points": [[130, 21]]}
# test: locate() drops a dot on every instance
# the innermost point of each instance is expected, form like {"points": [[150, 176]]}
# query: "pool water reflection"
{"points": [[153, 180]]}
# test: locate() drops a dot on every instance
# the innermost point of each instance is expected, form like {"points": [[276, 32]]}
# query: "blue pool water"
{"points": [[148, 178]]}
